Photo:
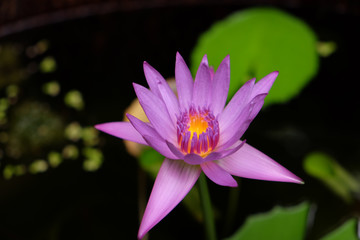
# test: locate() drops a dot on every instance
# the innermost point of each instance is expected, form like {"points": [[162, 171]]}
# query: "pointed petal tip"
{"points": [[271, 76], [137, 88], [124, 130], [178, 56], [129, 116], [101, 126], [287, 176], [205, 60], [173, 182], [233, 184], [274, 74], [142, 233], [296, 179], [248, 162], [147, 66], [258, 98]]}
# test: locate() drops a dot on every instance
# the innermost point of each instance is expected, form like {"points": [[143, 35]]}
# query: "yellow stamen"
{"points": [[197, 124]]}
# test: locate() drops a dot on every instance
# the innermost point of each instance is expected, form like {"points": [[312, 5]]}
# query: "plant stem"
{"points": [[232, 206], [207, 209]]}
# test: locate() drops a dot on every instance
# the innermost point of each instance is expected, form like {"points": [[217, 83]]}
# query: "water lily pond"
{"points": [[60, 178]]}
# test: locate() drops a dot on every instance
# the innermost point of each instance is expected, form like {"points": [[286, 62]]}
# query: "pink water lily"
{"points": [[197, 133]]}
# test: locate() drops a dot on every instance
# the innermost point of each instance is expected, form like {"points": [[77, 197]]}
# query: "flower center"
{"points": [[197, 131]]}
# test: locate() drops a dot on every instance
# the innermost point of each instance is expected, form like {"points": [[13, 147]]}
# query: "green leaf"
{"points": [[326, 169], [279, 223], [150, 160], [319, 165], [260, 41], [345, 232]]}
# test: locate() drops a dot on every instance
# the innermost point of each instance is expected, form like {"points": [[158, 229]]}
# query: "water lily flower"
{"points": [[196, 133]]}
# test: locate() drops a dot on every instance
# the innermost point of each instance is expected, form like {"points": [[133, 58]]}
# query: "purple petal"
{"points": [[156, 112], [218, 175], [249, 162], [229, 135], [264, 85], [236, 105], [161, 88], [173, 182], [193, 159], [151, 136], [184, 82], [122, 130], [170, 101], [204, 60], [153, 77], [202, 87], [220, 86], [212, 73], [175, 150], [257, 102], [160, 146], [220, 153]]}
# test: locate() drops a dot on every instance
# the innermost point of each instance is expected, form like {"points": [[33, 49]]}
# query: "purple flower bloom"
{"points": [[196, 133]]}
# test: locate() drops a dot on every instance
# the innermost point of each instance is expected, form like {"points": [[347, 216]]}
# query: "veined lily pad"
{"points": [[260, 41], [279, 223]]}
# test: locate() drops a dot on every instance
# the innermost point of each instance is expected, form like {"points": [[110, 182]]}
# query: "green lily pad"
{"points": [[347, 231], [279, 223], [260, 41]]}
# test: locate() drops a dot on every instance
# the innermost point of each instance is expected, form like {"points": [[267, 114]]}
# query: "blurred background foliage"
{"points": [[64, 68]]}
